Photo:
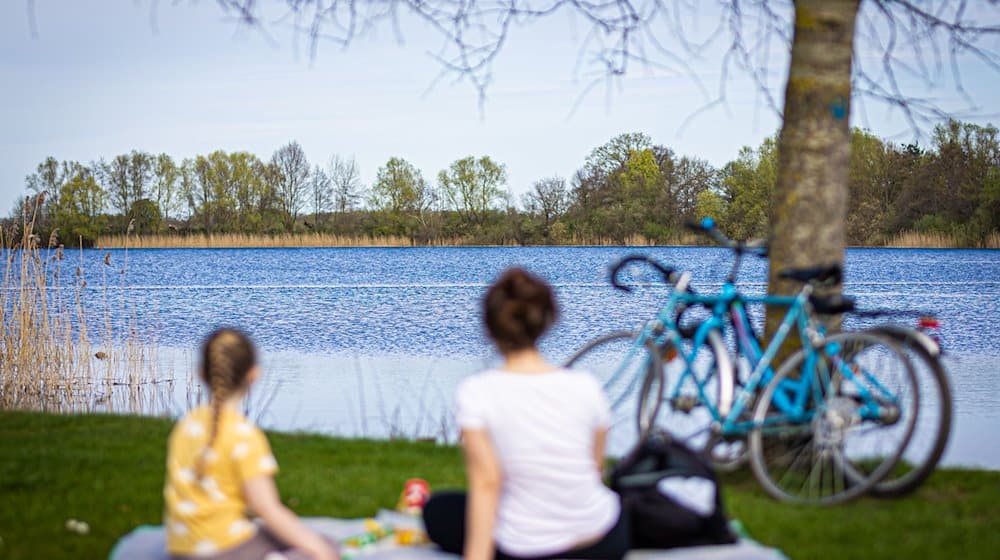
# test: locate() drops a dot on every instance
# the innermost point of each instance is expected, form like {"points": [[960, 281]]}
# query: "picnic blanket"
{"points": [[149, 542]]}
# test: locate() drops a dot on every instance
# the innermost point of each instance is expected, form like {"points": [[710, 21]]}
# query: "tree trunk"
{"points": [[810, 204]]}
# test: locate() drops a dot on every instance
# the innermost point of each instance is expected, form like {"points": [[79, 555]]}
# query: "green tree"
{"points": [[246, 187], [473, 187], [210, 197], [946, 189], [399, 187], [986, 218], [640, 183], [271, 215], [967, 157], [146, 216], [611, 156], [126, 178], [79, 212], [402, 196], [873, 185], [748, 184], [601, 208], [165, 190], [710, 204]]}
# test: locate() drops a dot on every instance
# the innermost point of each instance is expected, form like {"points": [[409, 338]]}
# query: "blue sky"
{"points": [[105, 77]]}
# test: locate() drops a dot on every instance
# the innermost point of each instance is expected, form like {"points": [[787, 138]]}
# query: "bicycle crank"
{"points": [[831, 425]]}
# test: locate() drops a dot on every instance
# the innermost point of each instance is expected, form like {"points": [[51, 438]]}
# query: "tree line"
{"points": [[628, 188]]}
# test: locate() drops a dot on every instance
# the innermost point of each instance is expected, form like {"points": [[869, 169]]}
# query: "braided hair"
{"points": [[227, 356]]}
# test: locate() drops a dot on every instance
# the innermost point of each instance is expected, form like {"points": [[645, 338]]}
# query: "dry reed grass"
{"points": [[637, 240], [249, 240], [933, 240], [48, 360], [316, 239]]}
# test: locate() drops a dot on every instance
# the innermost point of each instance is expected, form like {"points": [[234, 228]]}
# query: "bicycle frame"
{"points": [[794, 395], [730, 301], [829, 388]]}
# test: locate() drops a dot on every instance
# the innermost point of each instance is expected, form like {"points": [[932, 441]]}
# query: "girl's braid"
{"points": [[222, 377]]}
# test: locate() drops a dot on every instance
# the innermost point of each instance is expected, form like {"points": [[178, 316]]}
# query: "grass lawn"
{"points": [[108, 471]]}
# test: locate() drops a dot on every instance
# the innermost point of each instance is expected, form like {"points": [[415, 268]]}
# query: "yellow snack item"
{"points": [[409, 537], [373, 532]]}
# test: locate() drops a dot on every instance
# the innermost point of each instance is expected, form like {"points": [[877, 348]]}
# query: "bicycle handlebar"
{"points": [[707, 226], [832, 274], [669, 273]]}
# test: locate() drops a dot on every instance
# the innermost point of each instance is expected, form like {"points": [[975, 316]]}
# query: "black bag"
{"points": [[671, 495]]}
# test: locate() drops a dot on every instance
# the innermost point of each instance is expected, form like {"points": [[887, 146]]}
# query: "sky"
{"points": [[96, 79]]}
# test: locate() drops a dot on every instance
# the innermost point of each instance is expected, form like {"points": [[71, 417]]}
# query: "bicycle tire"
{"points": [[611, 356], [834, 470], [935, 413]]}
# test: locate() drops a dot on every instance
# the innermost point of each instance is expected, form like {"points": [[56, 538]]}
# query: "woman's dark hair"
{"points": [[517, 309]]}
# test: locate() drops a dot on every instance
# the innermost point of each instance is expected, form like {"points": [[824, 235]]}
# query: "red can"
{"points": [[416, 491]]}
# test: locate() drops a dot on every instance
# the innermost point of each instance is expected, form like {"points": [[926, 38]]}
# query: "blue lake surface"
{"points": [[370, 341]]}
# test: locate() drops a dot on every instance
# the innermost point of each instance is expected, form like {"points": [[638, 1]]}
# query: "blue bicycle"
{"points": [[823, 428], [922, 348]]}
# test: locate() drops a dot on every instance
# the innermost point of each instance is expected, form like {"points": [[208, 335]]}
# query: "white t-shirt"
{"points": [[542, 428]]}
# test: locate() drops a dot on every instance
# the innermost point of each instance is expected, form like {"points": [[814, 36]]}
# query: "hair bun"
{"points": [[518, 307]]}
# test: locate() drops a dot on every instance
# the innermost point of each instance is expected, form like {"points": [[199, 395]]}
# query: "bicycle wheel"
{"points": [[698, 391], [623, 368], [859, 416], [930, 437]]}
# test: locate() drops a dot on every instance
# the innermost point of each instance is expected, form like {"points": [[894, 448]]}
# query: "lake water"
{"points": [[371, 342]]}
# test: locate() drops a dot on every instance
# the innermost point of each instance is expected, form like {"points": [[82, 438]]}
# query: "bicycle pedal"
{"points": [[888, 413], [684, 403]]}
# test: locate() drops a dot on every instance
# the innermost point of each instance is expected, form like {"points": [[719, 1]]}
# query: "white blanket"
{"points": [[150, 542]]}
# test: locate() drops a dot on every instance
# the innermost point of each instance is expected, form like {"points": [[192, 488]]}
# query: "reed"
{"points": [[250, 240], [317, 239], [917, 239], [637, 240], [49, 359], [937, 240]]}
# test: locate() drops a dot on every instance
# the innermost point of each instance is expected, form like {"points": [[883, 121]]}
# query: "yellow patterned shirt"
{"points": [[210, 515]]}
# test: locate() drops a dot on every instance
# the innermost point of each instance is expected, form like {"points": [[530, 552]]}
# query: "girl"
{"points": [[219, 464], [533, 436]]}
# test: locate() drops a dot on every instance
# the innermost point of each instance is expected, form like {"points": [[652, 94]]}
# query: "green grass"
{"points": [[108, 471]]}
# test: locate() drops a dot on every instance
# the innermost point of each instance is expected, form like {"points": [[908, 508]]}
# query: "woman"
{"points": [[533, 436]]}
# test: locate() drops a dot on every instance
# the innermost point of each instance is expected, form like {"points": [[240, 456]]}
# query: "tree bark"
{"points": [[810, 205]]}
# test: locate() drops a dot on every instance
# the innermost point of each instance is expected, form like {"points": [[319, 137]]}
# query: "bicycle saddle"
{"points": [[825, 273], [831, 305]]}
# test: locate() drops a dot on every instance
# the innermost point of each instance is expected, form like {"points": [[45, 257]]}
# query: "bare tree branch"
{"points": [[32, 23], [919, 44]]}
